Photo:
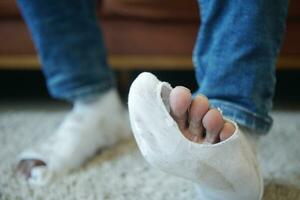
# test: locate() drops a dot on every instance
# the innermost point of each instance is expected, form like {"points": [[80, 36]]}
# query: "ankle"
{"points": [[109, 98]]}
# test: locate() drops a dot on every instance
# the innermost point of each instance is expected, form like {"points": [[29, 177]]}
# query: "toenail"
{"points": [[201, 95], [186, 89]]}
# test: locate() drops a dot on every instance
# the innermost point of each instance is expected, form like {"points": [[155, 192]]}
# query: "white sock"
{"points": [[87, 128], [227, 170]]}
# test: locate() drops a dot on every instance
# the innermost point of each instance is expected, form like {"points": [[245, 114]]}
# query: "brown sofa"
{"points": [[155, 34]]}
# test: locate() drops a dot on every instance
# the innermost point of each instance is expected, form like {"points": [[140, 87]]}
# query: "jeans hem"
{"points": [[84, 92], [244, 117]]}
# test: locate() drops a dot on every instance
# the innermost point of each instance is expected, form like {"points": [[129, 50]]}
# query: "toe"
{"points": [[180, 101], [198, 109], [25, 166], [227, 131], [213, 123]]}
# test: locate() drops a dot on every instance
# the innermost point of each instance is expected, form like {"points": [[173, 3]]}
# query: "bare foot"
{"points": [[196, 120], [184, 137]]}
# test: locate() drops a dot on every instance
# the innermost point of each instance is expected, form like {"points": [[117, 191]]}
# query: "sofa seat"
{"points": [[156, 34]]}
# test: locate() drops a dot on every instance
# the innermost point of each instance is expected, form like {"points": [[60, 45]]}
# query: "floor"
{"points": [[120, 172]]}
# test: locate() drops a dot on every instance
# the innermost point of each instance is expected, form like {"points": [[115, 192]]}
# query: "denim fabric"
{"points": [[70, 46], [235, 56]]}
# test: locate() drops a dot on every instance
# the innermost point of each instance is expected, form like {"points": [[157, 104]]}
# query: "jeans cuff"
{"points": [[84, 92], [244, 117]]}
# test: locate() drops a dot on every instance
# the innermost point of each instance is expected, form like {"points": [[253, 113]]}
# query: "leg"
{"points": [[70, 46], [186, 138], [234, 58], [73, 56], [237, 49]]}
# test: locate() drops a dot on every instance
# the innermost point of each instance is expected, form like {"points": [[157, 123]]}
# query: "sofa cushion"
{"points": [[9, 8], [152, 9]]}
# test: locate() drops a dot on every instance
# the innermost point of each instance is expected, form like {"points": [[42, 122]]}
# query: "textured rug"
{"points": [[120, 172]]}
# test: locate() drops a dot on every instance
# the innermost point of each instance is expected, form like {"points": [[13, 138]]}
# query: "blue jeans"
{"points": [[70, 46], [234, 56]]}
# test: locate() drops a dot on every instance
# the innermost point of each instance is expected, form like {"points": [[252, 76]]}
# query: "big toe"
{"points": [[180, 101], [25, 166]]}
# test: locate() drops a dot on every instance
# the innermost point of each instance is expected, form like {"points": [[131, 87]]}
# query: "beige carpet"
{"points": [[120, 172]]}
